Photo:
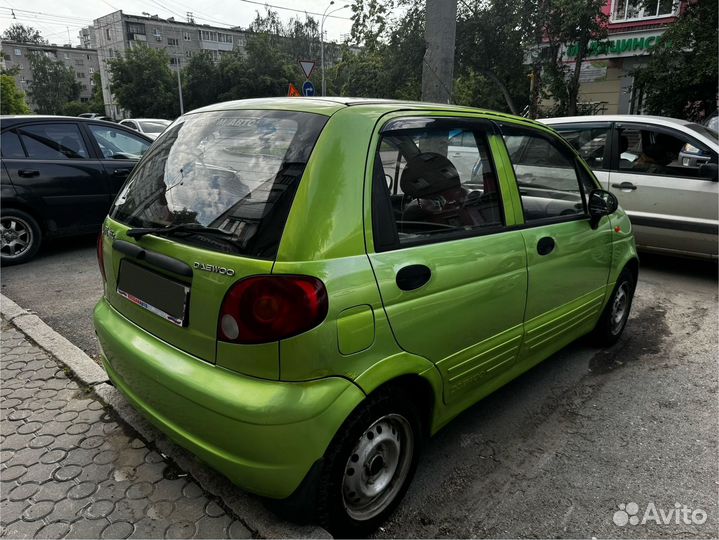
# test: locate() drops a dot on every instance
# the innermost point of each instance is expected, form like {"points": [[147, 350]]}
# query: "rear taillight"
{"points": [[101, 256], [261, 309]]}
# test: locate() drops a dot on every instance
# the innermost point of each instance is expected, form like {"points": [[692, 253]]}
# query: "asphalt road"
{"points": [[556, 452]]}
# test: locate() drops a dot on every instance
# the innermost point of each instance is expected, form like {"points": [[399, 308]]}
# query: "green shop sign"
{"points": [[616, 47]]}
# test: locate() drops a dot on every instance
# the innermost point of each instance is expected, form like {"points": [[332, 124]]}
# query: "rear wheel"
{"points": [[20, 236], [369, 464], [616, 313]]}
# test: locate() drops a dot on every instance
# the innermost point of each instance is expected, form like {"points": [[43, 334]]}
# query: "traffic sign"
{"points": [[307, 67], [293, 92], [308, 89]]}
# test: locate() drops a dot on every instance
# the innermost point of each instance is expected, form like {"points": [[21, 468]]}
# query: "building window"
{"points": [[134, 28], [207, 35], [92, 82], [224, 38], [157, 34], [624, 10], [92, 70], [174, 61], [80, 75], [18, 52], [78, 62], [188, 54], [107, 33], [66, 56], [173, 41], [186, 36]]}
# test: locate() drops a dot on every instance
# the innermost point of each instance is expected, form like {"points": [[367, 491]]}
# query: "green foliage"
{"points": [[53, 84], [144, 84], [199, 81], [23, 34], [549, 24], [680, 79], [75, 108], [12, 100]]}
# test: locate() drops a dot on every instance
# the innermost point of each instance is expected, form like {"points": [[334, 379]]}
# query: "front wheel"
{"points": [[369, 464], [616, 313]]}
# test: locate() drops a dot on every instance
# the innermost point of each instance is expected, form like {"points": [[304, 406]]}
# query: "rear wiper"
{"points": [[139, 232]]}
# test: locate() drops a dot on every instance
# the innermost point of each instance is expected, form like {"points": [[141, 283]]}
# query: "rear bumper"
{"points": [[263, 435]]}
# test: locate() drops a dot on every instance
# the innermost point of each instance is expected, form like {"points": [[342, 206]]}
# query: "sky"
{"points": [[55, 19]]}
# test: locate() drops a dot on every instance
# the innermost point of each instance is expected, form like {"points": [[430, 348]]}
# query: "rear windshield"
{"points": [[236, 171], [154, 126]]}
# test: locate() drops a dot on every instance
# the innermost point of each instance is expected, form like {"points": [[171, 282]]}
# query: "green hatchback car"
{"points": [[300, 291]]}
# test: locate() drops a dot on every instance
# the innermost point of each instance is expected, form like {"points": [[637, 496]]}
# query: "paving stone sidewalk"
{"points": [[70, 469]]}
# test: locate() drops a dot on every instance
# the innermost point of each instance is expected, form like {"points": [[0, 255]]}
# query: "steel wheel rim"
{"points": [[620, 309], [377, 467], [16, 237]]}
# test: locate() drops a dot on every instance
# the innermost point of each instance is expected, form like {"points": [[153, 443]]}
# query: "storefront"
{"points": [[607, 84]]}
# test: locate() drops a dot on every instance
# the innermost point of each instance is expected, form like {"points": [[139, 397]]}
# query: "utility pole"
{"points": [[438, 64]]}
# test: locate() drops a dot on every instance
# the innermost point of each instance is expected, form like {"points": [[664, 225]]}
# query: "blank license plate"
{"points": [[155, 293]]}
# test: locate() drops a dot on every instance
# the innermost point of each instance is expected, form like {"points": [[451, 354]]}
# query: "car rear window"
{"points": [[236, 171]]}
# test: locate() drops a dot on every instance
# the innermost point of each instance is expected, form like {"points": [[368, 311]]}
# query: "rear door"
{"points": [[568, 261], [592, 141], [658, 183], [119, 149], [58, 169], [451, 274]]}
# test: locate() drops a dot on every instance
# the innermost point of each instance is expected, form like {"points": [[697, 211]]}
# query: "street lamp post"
{"points": [[322, 40]]}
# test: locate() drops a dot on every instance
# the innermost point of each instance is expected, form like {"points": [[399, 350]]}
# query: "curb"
{"points": [[249, 508]]}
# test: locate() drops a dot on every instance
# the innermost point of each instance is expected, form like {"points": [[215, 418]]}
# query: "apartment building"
{"points": [[84, 62], [117, 32]]}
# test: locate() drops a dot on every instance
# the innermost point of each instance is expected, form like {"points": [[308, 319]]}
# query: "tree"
{"points": [[680, 79], [23, 34], [552, 25], [489, 56], [199, 81], [143, 83], [53, 84], [13, 100]]}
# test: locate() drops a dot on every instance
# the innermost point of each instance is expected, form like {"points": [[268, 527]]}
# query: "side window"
{"points": [[588, 141], [647, 151], [10, 145], [426, 188], [117, 144], [53, 141], [547, 175]]}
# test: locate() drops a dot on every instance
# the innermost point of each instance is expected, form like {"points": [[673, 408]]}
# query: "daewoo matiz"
{"points": [[300, 291]]}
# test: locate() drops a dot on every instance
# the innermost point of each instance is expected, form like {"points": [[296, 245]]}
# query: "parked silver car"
{"points": [[150, 127], [662, 170]]}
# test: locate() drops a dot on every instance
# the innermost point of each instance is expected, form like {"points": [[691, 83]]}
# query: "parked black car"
{"points": [[59, 177]]}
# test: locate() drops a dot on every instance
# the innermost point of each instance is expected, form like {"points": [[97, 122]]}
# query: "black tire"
{"points": [[392, 417], [21, 236], [614, 317]]}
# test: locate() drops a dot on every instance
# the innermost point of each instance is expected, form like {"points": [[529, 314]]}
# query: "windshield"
{"points": [[231, 170], [704, 130], [154, 126]]}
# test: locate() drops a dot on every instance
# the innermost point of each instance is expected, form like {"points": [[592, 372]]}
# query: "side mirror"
{"points": [[710, 171], [601, 203]]}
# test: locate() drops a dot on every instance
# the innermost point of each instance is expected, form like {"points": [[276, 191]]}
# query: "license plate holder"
{"points": [[154, 292]]}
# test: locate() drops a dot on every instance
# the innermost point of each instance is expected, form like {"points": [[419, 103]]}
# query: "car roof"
{"points": [[330, 105], [8, 121], [145, 120], [661, 120]]}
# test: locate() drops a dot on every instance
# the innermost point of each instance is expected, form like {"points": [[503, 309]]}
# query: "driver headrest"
{"points": [[428, 173]]}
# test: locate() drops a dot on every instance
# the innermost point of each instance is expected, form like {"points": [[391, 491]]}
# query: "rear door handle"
{"points": [[121, 172], [545, 245], [625, 186], [27, 173], [413, 277]]}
